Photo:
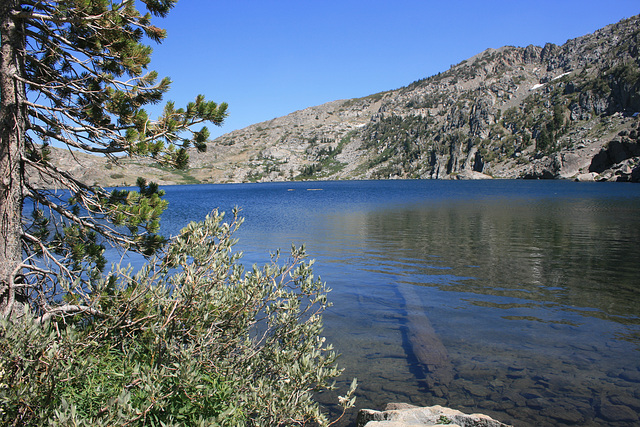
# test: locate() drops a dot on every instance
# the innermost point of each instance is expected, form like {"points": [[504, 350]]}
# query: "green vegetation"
{"points": [[401, 140], [408, 144], [186, 177], [326, 163], [443, 420], [190, 339], [309, 171], [258, 173]]}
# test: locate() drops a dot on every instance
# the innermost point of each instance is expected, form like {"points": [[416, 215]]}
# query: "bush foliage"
{"points": [[192, 338]]}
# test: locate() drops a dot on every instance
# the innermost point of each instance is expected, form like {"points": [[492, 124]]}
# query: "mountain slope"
{"points": [[516, 112], [511, 112]]}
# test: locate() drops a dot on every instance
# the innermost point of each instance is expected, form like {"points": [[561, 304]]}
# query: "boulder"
{"points": [[586, 177], [544, 168], [472, 175], [571, 164], [405, 415], [616, 152], [625, 171]]}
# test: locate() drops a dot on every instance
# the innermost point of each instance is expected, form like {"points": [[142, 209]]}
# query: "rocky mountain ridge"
{"points": [[567, 111]]}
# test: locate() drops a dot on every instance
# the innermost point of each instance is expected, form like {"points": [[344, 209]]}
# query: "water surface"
{"points": [[526, 292]]}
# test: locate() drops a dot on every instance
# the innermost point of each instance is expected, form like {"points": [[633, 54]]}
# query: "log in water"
{"points": [[424, 343]]}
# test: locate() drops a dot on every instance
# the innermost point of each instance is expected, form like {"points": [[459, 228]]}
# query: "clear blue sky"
{"points": [[268, 58]]}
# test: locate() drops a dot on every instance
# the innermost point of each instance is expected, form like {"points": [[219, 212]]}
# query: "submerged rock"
{"points": [[405, 415], [618, 413]]}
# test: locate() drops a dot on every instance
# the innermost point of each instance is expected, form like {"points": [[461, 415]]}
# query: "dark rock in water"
{"points": [[536, 403], [565, 415], [531, 394], [617, 413], [631, 376], [625, 400], [478, 374], [476, 390], [402, 414], [512, 395]]}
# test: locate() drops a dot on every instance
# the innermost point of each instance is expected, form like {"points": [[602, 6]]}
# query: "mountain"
{"points": [[567, 111]]}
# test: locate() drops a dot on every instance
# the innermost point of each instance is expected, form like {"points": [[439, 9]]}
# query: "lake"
{"points": [[518, 299]]}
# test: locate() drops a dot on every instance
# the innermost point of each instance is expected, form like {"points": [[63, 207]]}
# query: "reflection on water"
{"points": [[557, 253], [517, 299]]}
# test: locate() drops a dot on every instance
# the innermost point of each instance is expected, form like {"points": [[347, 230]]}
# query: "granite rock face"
{"points": [[405, 415], [618, 161]]}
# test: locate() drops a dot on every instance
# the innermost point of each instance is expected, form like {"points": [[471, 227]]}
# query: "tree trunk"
{"points": [[12, 148]]}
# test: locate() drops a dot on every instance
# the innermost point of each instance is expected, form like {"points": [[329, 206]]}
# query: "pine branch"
{"points": [[69, 310], [73, 143], [108, 232]]}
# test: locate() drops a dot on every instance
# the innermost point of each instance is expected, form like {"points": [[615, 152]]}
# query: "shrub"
{"points": [[190, 339]]}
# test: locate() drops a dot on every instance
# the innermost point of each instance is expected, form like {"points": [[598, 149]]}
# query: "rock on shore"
{"points": [[405, 415]]}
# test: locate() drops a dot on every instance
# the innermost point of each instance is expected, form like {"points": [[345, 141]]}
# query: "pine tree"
{"points": [[190, 338], [74, 73]]}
